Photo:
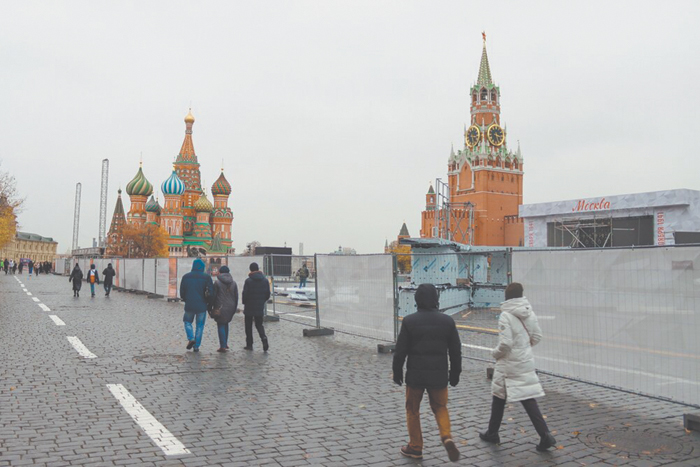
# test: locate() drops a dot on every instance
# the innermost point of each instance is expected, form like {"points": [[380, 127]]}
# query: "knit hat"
{"points": [[224, 269]]}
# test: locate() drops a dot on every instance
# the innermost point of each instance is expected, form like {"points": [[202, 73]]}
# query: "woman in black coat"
{"points": [[226, 291], [77, 278]]}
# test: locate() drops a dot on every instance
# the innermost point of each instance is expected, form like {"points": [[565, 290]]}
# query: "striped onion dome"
{"points": [[221, 186], [153, 206], [203, 204], [173, 185], [139, 186]]}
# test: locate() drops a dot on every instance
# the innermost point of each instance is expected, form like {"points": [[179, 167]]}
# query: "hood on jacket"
{"points": [[519, 307], [427, 297], [225, 278], [257, 275], [198, 265]]}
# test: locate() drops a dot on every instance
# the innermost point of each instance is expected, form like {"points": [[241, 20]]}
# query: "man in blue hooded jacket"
{"points": [[192, 291]]}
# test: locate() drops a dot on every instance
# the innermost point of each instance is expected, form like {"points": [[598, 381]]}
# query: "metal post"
{"points": [[396, 297], [274, 297], [318, 316]]}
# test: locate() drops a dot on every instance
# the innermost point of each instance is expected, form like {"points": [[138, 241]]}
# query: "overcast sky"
{"points": [[332, 117]]}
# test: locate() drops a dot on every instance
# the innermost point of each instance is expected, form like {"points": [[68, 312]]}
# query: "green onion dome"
{"points": [[203, 204], [173, 185], [221, 186], [139, 186], [153, 206]]}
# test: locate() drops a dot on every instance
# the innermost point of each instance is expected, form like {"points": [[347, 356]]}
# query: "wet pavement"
{"points": [[124, 391]]}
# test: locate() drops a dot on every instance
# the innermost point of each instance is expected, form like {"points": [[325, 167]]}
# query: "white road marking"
{"points": [[36, 299], [43, 307], [670, 379], [298, 316], [478, 347], [80, 347], [57, 320], [160, 435]]}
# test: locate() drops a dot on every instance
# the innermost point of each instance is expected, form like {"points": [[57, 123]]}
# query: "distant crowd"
{"points": [[10, 266]]}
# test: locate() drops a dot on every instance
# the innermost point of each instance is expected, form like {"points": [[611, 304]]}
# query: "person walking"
{"points": [[195, 286], [107, 277], [303, 275], [427, 338], [93, 278], [225, 304], [6, 265], [76, 277], [30, 266], [13, 266], [518, 332], [256, 293]]}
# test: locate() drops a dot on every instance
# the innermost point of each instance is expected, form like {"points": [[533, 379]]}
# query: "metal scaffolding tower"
{"points": [[76, 215], [101, 233], [455, 221]]}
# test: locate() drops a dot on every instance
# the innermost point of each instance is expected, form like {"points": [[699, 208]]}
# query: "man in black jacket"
{"points": [[256, 293], [427, 337]]}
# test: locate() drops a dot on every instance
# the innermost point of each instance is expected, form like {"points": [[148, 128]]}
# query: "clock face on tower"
{"points": [[495, 134], [473, 136]]}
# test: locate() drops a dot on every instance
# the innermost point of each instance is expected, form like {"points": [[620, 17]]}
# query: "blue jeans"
{"points": [[223, 335], [302, 282], [92, 289], [191, 336]]}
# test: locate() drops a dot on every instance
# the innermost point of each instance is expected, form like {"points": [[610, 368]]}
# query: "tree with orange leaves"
{"points": [[139, 241], [9, 207]]}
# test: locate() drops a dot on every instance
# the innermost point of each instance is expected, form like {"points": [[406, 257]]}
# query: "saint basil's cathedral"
{"points": [[193, 224]]}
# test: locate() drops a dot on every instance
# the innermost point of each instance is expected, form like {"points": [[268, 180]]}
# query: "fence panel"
{"points": [[356, 294], [240, 267], [149, 275], [626, 318], [162, 276], [292, 297], [133, 278]]}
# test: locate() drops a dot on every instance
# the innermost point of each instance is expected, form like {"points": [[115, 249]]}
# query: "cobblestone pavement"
{"points": [[318, 401]]}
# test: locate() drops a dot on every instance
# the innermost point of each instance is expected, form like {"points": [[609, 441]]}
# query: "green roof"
{"points": [[33, 237], [484, 78], [404, 231]]}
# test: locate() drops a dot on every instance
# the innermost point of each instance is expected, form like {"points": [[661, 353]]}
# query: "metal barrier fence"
{"points": [[293, 299], [625, 318]]}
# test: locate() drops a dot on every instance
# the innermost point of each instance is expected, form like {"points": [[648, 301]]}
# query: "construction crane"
{"points": [[76, 215], [101, 233]]}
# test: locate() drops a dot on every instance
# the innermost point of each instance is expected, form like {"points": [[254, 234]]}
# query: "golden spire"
{"points": [[189, 118]]}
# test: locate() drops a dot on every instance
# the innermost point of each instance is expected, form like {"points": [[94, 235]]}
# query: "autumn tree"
{"points": [[10, 204], [139, 241], [250, 248], [403, 256]]}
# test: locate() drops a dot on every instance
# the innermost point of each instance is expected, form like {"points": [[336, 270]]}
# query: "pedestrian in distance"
{"points": [[93, 278], [107, 278], [303, 275], [13, 265], [428, 337], [256, 293], [514, 376], [4, 265], [195, 288], [76, 277], [225, 304], [30, 266]]}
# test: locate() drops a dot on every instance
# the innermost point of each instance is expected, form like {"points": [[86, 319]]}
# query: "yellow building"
{"points": [[30, 246]]}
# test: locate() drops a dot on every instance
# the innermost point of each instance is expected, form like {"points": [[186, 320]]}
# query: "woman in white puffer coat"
{"points": [[514, 378]]}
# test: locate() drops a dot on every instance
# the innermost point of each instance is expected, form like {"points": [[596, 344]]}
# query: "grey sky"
{"points": [[332, 117]]}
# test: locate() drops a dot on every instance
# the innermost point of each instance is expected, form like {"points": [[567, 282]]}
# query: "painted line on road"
{"points": [[476, 328], [477, 347], [28, 293], [36, 299], [57, 320], [43, 307], [160, 435], [80, 347]]}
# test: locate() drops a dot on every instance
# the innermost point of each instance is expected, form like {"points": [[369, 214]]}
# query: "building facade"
{"points": [[194, 224], [30, 246], [655, 218], [479, 203]]}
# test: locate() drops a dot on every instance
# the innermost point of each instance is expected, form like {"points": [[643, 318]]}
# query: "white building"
{"points": [[655, 218]]}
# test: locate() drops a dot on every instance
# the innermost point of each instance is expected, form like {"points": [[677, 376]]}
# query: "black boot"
{"points": [[546, 442], [266, 345], [490, 438]]}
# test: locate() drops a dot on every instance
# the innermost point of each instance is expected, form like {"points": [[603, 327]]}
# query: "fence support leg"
{"points": [[386, 348], [312, 332], [691, 421]]}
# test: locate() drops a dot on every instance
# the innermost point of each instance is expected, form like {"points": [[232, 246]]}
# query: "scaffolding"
{"points": [[76, 215], [451, 217], [103, 203]]}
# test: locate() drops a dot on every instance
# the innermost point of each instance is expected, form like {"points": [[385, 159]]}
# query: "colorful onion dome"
{"points": [[221, 186], [139, 186], [203, 204], [153, 206], [189, 118], [173, 185]]}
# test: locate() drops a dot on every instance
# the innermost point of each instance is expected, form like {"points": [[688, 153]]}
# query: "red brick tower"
{"points": [[187, 169], [485, 179]]}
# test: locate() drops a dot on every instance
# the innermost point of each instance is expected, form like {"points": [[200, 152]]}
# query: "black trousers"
{"points": [[249, 329], [498, 406]]}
